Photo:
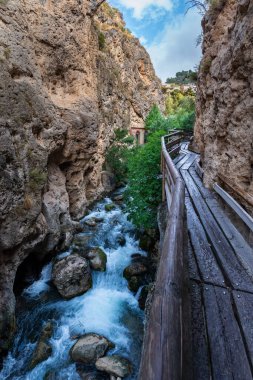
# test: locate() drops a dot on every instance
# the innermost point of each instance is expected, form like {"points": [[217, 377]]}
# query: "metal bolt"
{"points": [[238, 296], [224, 292], [206, 288]]}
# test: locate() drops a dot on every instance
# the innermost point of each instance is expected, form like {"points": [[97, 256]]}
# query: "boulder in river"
{"points": [[72, 276], [81, 243], [135, 269], [43, 349], [91, 222], [97, 259], [135, 283], [114, 365], [109, 207], [118, 198], [121, 240], [89, 348]]}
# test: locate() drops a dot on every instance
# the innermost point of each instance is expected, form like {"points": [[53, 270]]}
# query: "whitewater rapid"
{"points": [[109, 308]]}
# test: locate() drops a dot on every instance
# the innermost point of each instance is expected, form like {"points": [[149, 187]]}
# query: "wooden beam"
{"points": [[248, 220]]}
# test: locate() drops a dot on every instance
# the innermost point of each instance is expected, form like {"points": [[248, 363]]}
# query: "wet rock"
{"points": [[109, 207], [72, 276], [143, 296], [89, 348], [91, 222], [98, 219], [114, 365], [135, 269], [97, 259], [118, 198], [121, 240], [135, 283], [43, 349], [91, 373], [50, 375]]}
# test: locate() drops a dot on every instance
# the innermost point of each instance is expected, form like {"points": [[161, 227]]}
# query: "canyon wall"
{"points": [[224, 127], [70, 74]]}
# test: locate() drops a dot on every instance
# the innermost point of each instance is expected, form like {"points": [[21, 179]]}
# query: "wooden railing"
{"points": [[163, 347]]}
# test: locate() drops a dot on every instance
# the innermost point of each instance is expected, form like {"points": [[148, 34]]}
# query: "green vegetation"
{"points": [[118, 153], [206, 65], [144, 190], [101, 40], [184, 77], [139, 166], [37, 179]]}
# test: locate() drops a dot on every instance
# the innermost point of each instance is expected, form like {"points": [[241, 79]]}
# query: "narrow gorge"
{"points": [[126, 200]]}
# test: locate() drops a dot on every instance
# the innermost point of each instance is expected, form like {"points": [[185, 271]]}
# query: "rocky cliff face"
{"points": [[69, 76], [224, 128]]}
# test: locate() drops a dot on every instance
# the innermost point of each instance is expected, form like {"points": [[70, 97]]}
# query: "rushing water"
{"points": [[109, 308]]}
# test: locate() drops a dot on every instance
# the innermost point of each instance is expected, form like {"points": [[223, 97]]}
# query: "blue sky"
{"points": [[166, 30]]}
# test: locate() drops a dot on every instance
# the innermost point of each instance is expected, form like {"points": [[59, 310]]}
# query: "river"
{"points": [[109, 308]]}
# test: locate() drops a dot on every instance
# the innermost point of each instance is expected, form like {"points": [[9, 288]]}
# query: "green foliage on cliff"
{"points": [[118, 154], [101, 40], [37, 179], [184, 77]]}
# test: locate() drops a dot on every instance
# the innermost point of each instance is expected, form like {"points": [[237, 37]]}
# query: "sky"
{"points": [[167, 31]]}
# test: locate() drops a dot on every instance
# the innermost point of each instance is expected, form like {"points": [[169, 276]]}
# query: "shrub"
{"points": [[206, 65], [101, 40], [37, 179], [144, 190]]}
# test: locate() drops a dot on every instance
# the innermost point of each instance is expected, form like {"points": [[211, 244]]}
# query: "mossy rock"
{"points": [[109, 207], [97, 258], [43, 349]]}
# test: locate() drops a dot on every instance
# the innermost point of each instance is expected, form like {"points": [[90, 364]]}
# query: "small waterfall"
{"points": [[109, 308]]}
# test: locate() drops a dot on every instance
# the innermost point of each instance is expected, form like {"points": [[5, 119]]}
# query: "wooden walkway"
{"points": [[220, 270]]}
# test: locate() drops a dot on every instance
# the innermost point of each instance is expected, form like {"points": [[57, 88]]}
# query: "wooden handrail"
{"points": [[162, 356]]}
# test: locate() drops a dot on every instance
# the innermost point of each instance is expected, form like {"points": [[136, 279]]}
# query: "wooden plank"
{"points": [[241, 248], [187, 373], [206, 193], [192, 264], [244, 307], [236, 274], [178, 158], [200, 359], [248, 220], [248, 198], [208, 266], [228, 355], [189, 163], [183, 161]]}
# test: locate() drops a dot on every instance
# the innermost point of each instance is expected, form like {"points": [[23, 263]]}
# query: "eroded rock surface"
{"points": [[224, 128], [114, 365], [89, 348], [72, 276], [63, 91]]}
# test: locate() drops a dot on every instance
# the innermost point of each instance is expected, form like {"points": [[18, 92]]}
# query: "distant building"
{"points": [[139, 134]]}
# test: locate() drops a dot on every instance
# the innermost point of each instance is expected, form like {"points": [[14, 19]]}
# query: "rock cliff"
{"points": [[224, 128], [70, 74]]}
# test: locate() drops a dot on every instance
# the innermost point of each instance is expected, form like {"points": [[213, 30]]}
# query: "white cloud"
{"points": [[143, 40], [139, 6], [175, 48]]}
